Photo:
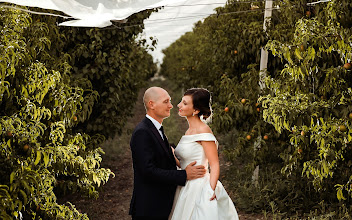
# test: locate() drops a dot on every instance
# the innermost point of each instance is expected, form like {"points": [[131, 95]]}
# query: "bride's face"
{"points": [[185, 107]]}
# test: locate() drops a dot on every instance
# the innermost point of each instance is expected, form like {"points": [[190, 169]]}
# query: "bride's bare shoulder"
{"points": [[204, 129]]}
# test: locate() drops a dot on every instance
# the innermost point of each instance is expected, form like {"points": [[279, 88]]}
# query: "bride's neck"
{"points": [[193, 122]]}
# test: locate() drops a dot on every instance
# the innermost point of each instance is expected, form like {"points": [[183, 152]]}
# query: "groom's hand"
{"points": [[194, 172]]}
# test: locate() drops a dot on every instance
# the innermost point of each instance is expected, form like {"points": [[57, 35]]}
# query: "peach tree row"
{"points": [[296, 128], [61, 91]]}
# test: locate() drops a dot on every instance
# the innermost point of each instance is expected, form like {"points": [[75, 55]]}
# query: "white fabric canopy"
{"points": [[167, 25], [92, 13]]}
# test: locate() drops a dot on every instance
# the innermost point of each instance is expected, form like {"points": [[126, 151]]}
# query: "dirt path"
{"points": [[114, 197]]}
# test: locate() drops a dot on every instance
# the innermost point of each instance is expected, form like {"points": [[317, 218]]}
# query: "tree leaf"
{"points": [[39, 155]]}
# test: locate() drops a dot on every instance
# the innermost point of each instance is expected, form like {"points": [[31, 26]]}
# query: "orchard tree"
{"points": [[311, 98], [225, 43], [308, 54], [52, 103], [111, 61], [222, 54], [116, 64]]}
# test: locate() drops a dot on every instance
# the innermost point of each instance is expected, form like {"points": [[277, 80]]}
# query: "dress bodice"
{"points": [[192, 201], [189, 150]]}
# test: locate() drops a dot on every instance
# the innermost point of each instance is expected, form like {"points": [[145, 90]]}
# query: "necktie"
{"points": [[162, 132], [167, 145]]}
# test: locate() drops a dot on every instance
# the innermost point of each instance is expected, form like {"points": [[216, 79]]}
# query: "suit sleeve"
{"points": [[144, 161]]}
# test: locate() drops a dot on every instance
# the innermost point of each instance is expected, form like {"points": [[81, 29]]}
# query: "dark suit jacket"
{"points": [[155, 173]]}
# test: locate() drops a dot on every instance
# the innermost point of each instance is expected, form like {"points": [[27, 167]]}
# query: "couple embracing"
{"points": [[177, 184]]}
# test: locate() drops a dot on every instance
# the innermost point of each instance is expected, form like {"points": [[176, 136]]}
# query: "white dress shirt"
{"points": [[156, 124]]}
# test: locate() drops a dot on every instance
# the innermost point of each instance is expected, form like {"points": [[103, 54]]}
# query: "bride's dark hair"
{"points": [[201, 101]]}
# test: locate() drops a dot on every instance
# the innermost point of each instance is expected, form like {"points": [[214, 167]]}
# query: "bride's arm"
{"points": [[177, 161], [211, 152]]}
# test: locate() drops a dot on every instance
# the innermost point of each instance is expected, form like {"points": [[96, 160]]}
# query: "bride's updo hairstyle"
{"points": [[201, 101]]}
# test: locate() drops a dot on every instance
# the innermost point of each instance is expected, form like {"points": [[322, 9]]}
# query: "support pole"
{"points": [[264, 54], [262, 75]]}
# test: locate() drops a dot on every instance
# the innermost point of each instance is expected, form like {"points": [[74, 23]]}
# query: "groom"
{"points": [[155, 172]]}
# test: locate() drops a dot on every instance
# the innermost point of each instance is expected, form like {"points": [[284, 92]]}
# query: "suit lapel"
{"points": [[164, 144]]}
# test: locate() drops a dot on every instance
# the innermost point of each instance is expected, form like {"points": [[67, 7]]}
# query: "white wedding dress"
{"points": [[192, 201]]}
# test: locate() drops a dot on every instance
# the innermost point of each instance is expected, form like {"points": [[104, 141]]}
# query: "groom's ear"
{"points": [[151, 104]]}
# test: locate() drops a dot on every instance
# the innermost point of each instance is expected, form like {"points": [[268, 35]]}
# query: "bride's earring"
{"points": [[193, 114]]}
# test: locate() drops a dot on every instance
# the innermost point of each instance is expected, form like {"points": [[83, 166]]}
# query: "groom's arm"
{"points": [[144, 161]]}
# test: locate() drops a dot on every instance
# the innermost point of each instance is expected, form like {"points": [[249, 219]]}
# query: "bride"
{"points": [[202, 198]]}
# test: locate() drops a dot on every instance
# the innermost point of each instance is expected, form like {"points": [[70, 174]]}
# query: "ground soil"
{"points": [[114, 197]]}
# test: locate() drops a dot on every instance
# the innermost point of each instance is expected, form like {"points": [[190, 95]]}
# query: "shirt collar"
{"points": [[155, 122]]}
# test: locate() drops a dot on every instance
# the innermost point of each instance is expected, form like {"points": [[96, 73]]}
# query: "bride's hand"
{"points": [[213, 197]]}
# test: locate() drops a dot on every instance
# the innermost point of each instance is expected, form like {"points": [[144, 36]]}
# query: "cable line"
{"points": [[159, 21]]}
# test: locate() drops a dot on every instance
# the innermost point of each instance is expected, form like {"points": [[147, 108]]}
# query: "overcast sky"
{"points": [[171, 22]]}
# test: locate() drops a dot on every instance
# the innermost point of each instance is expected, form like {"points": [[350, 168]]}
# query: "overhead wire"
{"points": [[192, 17], [166, 6], [219, 14], [321, 1], [200, 15], [214, 3]]}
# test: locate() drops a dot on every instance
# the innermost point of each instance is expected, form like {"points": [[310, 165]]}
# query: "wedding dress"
{"points": [[192, 201]]}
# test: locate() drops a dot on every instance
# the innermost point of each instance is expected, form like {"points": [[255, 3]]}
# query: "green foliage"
{"points": [[214, 48], [313, 95], [110, 61], [218, 55], [47, 107], [117, 65], [298, 128]]}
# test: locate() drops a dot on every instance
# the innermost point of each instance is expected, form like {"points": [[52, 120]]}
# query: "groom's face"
{"points": [[162, 105]]}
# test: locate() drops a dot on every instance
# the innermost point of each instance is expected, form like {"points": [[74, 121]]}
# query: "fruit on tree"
{"points": [[226, 109], [235, 51], [347, 66], [243, 101], [287, 93], [342, 128], [248, 137], [308, 13], [266, 137], [25, 147], [75, 118], [9, 134], [302, 48], [350, 115]]}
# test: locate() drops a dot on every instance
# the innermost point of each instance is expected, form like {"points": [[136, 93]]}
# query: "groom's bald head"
{"points": [[152, 94], [157, 102]]}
